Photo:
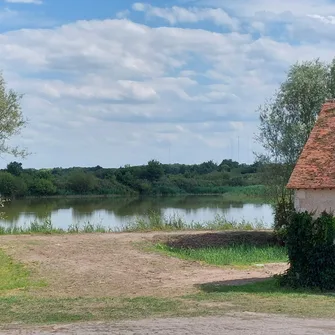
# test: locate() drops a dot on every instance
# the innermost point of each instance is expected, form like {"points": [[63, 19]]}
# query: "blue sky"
{"points": [[110, 82]]}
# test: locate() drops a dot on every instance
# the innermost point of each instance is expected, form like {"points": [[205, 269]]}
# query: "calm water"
{"points": [[116, 212]]}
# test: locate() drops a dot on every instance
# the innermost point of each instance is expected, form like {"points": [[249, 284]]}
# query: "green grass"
{"points": [[213, 299], [235, 255], [268, 297], [31, 310], [14, 276]]}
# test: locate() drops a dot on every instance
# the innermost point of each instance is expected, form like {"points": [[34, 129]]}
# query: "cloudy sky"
{"points": [[115, 82]]}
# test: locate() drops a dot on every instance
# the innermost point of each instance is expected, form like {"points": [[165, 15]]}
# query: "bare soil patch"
{"points": [[217, 239], [111, 265]]}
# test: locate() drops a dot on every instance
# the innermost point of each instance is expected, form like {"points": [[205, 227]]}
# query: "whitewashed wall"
{"points": [[315, 200]]}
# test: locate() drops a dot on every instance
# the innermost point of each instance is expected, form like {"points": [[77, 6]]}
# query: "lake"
{"points": [[116, 212]]}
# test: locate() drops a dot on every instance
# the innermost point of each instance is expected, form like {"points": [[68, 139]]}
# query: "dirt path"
{"points": [[108, 265], [238, 324]]}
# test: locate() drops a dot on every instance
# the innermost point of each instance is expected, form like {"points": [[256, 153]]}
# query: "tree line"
{"points": [[286, 120], [153, 178]]}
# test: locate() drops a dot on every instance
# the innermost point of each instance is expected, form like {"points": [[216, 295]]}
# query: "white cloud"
{"points": [[176, 14], [250, 7], [326, 19], [35, 2], [123, 14], [112, 92]]}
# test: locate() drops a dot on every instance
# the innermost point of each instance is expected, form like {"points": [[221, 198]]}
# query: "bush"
{"points": [[284, 209], [11, 186], [42, 187], [311, 251], [81, 182]]}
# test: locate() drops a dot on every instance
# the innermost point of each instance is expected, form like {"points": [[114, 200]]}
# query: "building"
{"points": [[313, 178]]}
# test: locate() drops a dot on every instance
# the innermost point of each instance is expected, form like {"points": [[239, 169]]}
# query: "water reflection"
{"points": [[115, 212]]}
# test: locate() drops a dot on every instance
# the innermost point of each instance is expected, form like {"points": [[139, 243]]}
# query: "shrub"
{"points": [[42, 187], [11, 186], [282, 217], [311, 251], [81, 182]]}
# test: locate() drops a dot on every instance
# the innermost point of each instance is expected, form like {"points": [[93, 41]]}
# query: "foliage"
{"points": [[311, 251], [81, 182], [154, 170], [287, 119], [11, 186], [15, 168], [42, 187], [11, 119], [284, 210], [151, 179]]}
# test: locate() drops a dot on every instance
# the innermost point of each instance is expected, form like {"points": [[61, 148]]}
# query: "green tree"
{"points": [[7, 184], [11, 186], [154, 170], [287, 119], [42, 187], [15, 168], [80, 182], [11, 119]]}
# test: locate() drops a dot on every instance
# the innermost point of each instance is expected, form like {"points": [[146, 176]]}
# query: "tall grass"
{"points": [[240, 254], [153, 221], [46, 227]]}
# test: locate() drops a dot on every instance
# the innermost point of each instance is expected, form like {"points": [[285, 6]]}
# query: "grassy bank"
{"points": [[235, 255]]}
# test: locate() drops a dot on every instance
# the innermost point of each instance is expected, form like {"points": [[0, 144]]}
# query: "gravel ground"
{"points": [[238, 324]]}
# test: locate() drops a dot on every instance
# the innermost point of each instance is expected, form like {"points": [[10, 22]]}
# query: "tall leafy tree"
{"points": [[15, 168], [154, 170], [11, 119], [287, 119], [11, 123]]}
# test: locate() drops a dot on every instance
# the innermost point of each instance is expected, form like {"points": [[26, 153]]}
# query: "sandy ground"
{"points": [[100, 265], [238, 324]]}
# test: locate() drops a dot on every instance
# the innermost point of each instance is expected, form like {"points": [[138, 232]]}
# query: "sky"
{"points": [[116, 82]]}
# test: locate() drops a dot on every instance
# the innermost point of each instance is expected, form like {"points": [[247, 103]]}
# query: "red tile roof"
{"points": [[316, 165]]}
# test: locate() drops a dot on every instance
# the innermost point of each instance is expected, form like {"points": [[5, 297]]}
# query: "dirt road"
{"points": [[110, 265], [238, 324]]}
